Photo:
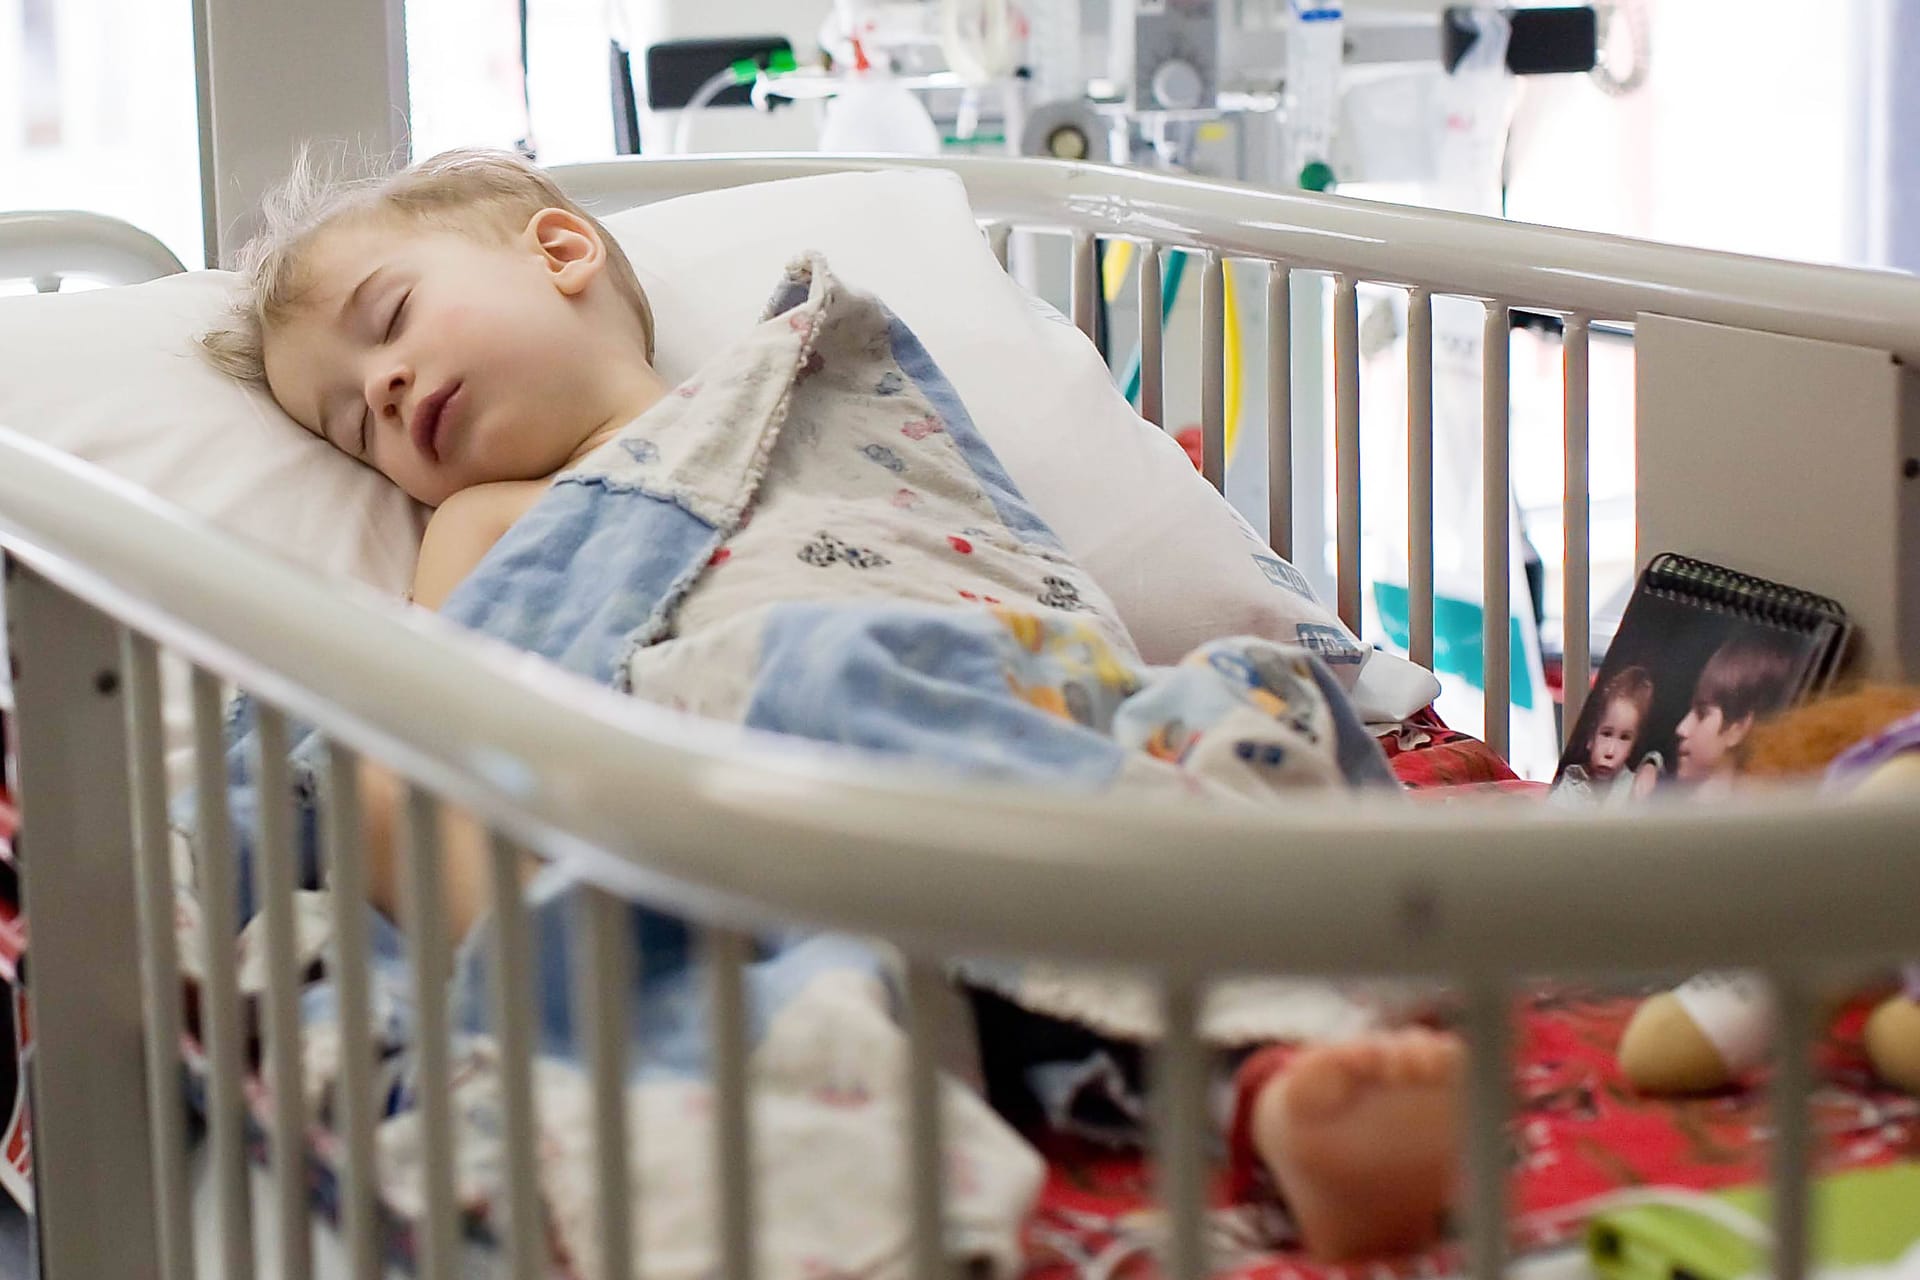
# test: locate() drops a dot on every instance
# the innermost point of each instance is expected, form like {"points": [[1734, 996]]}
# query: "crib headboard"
{"points": [[46, 246]]}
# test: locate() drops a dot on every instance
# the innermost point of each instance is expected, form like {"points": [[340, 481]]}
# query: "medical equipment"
{"points": [[1159, 71], [1732, 351]]}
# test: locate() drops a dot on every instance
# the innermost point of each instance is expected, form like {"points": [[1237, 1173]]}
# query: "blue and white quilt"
{"points": [[810, 537]]}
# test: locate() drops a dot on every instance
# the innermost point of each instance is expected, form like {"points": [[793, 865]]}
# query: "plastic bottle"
{"points": [[877, 115], [1316, 46], [1053, 44]]}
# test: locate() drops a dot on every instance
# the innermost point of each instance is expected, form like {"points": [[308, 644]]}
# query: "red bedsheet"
{"points": [[1580, 1131], [1425, 755]]}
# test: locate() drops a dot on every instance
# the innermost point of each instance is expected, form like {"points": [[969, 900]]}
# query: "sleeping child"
{"points": [[867, 577]]}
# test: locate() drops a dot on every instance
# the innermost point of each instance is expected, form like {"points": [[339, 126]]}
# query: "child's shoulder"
{"points": [[463, 529], [496, 505]]}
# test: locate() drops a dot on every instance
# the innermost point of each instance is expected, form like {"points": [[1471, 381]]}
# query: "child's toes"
{"points": [[1369, 1061]]}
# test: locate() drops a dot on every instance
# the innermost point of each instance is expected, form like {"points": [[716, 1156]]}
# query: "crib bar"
{"points": [[1181, 1088], [1420, 477], [1213, 374], [725, 953], [1793, 1152], [1495, 484], [274, 861], [357, 1109], [512, 996], [603, 974], [91, 1152], [999, 235], [1280, 409], [1577, 564], [220, 1017], [1489, 1106], [426, 921], [1152, 338], [926, 989], [159, 954], [1346, 444], [1086, 280]]}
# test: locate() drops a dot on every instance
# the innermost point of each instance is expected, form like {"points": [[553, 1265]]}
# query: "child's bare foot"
{"points": [[1362, 1139]]}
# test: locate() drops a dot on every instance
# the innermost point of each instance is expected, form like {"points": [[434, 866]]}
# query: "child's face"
{"points": [[1705, 742], [447, 361], [1613, 738]]}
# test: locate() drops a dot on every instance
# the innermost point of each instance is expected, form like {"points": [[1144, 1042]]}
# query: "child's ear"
{"points": [[1736, 733], [569, 246]]}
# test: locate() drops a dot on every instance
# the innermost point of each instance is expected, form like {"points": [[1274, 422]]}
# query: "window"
{"points": [[98, 112]]}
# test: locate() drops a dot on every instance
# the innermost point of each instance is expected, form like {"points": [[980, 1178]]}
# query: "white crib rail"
{"points": [[1598, 276], [47, 246], [673, 809], [650, 805]]}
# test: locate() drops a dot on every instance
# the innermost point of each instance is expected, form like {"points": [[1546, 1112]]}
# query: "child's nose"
{"points": [[386, 390]]}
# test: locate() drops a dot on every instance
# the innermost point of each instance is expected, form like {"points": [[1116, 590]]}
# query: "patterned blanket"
{"points": [[810, 537]]}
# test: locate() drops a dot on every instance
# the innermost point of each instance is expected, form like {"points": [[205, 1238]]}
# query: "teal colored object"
{"points": [[1169, 294], [1317, 176], [1459, 643]]}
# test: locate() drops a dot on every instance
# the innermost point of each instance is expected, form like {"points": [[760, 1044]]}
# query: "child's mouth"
{"points": [[428, 418]]}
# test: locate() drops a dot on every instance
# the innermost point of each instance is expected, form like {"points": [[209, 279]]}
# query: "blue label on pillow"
{"points": [[1047, 310], [1282, 574], [1330, 644]]}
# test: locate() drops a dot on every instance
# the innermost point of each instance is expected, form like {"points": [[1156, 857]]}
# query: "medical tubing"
{"points": [[1231, 339], [1169, 292], [712, 87], [1235, 339]]}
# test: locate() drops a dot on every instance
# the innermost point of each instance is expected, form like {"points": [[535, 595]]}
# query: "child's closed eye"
{"points": [[393, 321]]}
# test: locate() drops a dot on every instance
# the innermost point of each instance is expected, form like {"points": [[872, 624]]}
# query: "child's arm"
{"points": [[460, 534]]}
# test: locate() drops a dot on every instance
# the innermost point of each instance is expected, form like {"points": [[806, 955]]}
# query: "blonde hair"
{"points": [[489, 194]]}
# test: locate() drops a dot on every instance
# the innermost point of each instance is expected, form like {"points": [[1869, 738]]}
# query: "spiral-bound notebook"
{"points": [[1702, 653]]}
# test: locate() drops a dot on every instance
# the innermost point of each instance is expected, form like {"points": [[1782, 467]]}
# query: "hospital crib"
{"points": [[1732, 355]]}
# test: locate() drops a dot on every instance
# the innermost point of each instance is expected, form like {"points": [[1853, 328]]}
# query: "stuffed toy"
{"points": [[1715, 1028]]}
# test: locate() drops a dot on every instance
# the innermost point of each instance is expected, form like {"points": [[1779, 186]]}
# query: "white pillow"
{"points": [[113, 376], [1178, 561]]}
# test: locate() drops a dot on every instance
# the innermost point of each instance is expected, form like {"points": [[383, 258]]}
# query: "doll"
{"points": [[1713, 1028]]}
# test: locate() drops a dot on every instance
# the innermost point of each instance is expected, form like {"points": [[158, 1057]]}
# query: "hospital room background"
{"points": [[1783, 128]]}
